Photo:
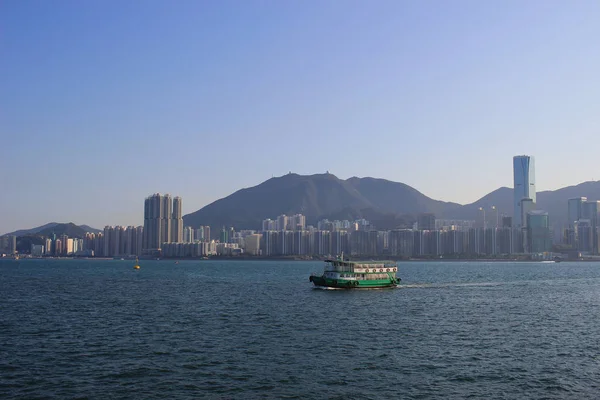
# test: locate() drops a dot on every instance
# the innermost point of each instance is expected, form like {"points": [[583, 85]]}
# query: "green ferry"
{"points": [[345, 274]]}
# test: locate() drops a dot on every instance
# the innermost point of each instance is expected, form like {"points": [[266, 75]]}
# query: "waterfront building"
{"points": [[539, 239], [69, 246], [524, 185], [188, 234], [199, 234], [224, 237], [58, 247], [163, 221], [575, 210], [505, 240], [340, 242], [8, 244], [282, 222], [589, 211], [585, 243], [177, 221], [268, 243], [48, 247], [401, 242], [252, 244]]}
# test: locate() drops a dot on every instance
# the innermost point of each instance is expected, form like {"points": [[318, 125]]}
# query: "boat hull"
{"points": [[321, 281]]}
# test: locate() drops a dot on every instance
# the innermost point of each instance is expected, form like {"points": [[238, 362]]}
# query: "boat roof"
{"points": [[363, 262]]}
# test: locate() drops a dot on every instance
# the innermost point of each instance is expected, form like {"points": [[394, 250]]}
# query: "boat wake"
{"points": [[449, 285]]}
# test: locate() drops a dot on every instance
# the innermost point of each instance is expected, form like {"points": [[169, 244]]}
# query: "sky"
{"points": [[103, 103]]}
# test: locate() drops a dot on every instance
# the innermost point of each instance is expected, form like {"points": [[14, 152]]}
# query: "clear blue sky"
{"points": [[105, 102]]}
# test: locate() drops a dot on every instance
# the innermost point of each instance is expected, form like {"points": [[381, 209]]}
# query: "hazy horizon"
{"points": [[188, 211], [105, 103]]}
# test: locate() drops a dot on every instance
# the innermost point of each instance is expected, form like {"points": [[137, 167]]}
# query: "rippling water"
{"points": [[206, 329]]}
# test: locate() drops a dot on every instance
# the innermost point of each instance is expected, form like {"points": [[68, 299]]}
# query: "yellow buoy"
{"points": [[137, 264]]}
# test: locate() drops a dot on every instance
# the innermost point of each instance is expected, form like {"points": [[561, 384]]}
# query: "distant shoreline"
{"points": [[290, 259]]}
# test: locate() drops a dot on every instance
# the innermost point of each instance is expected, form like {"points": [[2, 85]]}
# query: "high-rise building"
{"points": [[139, 240], [590, 211], [282, 222], [153, 211], [177, 221], [224, 237], [188, 234], [167, 218], [199, 234], [539, 239], [8, 244], [163, 222], [252, 244], [524, 185], [575, 210]]}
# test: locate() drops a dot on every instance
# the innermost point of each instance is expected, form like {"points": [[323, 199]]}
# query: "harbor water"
{"points": [[259, 329]]}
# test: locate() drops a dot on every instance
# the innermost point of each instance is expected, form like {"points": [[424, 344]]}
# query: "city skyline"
{"points": [[528, 232], [434, 95], [140, 221]]}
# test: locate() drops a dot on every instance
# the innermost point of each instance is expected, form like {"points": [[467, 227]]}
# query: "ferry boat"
{"points": [[344, 274]]}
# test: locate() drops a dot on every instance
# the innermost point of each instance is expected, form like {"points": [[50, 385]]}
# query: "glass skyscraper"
{"points": [[524, 185], [539, 239]]}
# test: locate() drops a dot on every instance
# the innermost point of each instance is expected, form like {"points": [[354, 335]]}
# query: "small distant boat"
{"points": [[137, 264], [345, 274]]}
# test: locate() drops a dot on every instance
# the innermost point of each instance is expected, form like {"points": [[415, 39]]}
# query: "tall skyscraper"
{"points": [[575, 210], [591, 212], [177, 221], [163, 222], [524, 185], [167, 219]]}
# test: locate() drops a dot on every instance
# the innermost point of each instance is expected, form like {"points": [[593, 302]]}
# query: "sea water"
{"points": [[258, 329]]}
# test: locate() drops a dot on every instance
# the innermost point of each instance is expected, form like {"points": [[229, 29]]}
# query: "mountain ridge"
{"points": [[58, 227], [387, 204]]}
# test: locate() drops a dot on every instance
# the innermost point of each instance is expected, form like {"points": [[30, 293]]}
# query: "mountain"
{"points": [[386, 204], [553, 201], [501, 198], [23, 232], [556, 201], [398, 197], [70, 229], [313, 196]]}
